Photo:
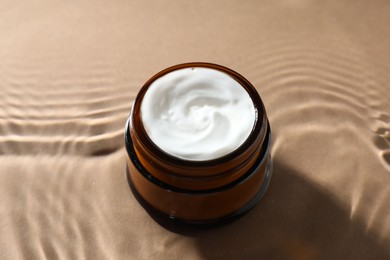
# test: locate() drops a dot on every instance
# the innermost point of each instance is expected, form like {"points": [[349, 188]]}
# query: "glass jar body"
{"points": [[199, 192]]}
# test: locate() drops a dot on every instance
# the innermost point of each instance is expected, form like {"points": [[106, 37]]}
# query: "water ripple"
{"points": [[338, 99]]}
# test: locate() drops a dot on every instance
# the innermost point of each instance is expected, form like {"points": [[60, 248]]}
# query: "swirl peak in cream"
{"points": [[197, 113]]}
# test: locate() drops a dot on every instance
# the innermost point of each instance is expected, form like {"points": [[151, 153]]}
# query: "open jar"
{"points": [[199, 190]]}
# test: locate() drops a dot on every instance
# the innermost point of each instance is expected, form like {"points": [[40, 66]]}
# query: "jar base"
{"points": [[182, 226]]}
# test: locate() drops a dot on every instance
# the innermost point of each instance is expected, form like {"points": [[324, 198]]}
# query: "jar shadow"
{"points": [[295, 220]]}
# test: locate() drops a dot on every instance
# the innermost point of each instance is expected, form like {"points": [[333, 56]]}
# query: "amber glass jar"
{"points": [[202, 191]]}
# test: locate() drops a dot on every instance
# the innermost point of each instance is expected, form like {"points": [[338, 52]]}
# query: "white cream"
{"points": [[197, 113]]}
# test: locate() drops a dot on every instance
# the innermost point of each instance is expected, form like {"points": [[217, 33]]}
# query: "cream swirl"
{"points": [[197, 113]]}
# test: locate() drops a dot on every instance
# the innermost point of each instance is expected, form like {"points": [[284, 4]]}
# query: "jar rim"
{"points": [[259, 126]]}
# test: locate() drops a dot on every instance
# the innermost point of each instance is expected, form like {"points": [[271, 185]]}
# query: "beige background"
{"points": [[69, 71]]}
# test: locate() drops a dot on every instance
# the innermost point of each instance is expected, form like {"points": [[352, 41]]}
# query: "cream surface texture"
{"points": [[197, 113]]}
